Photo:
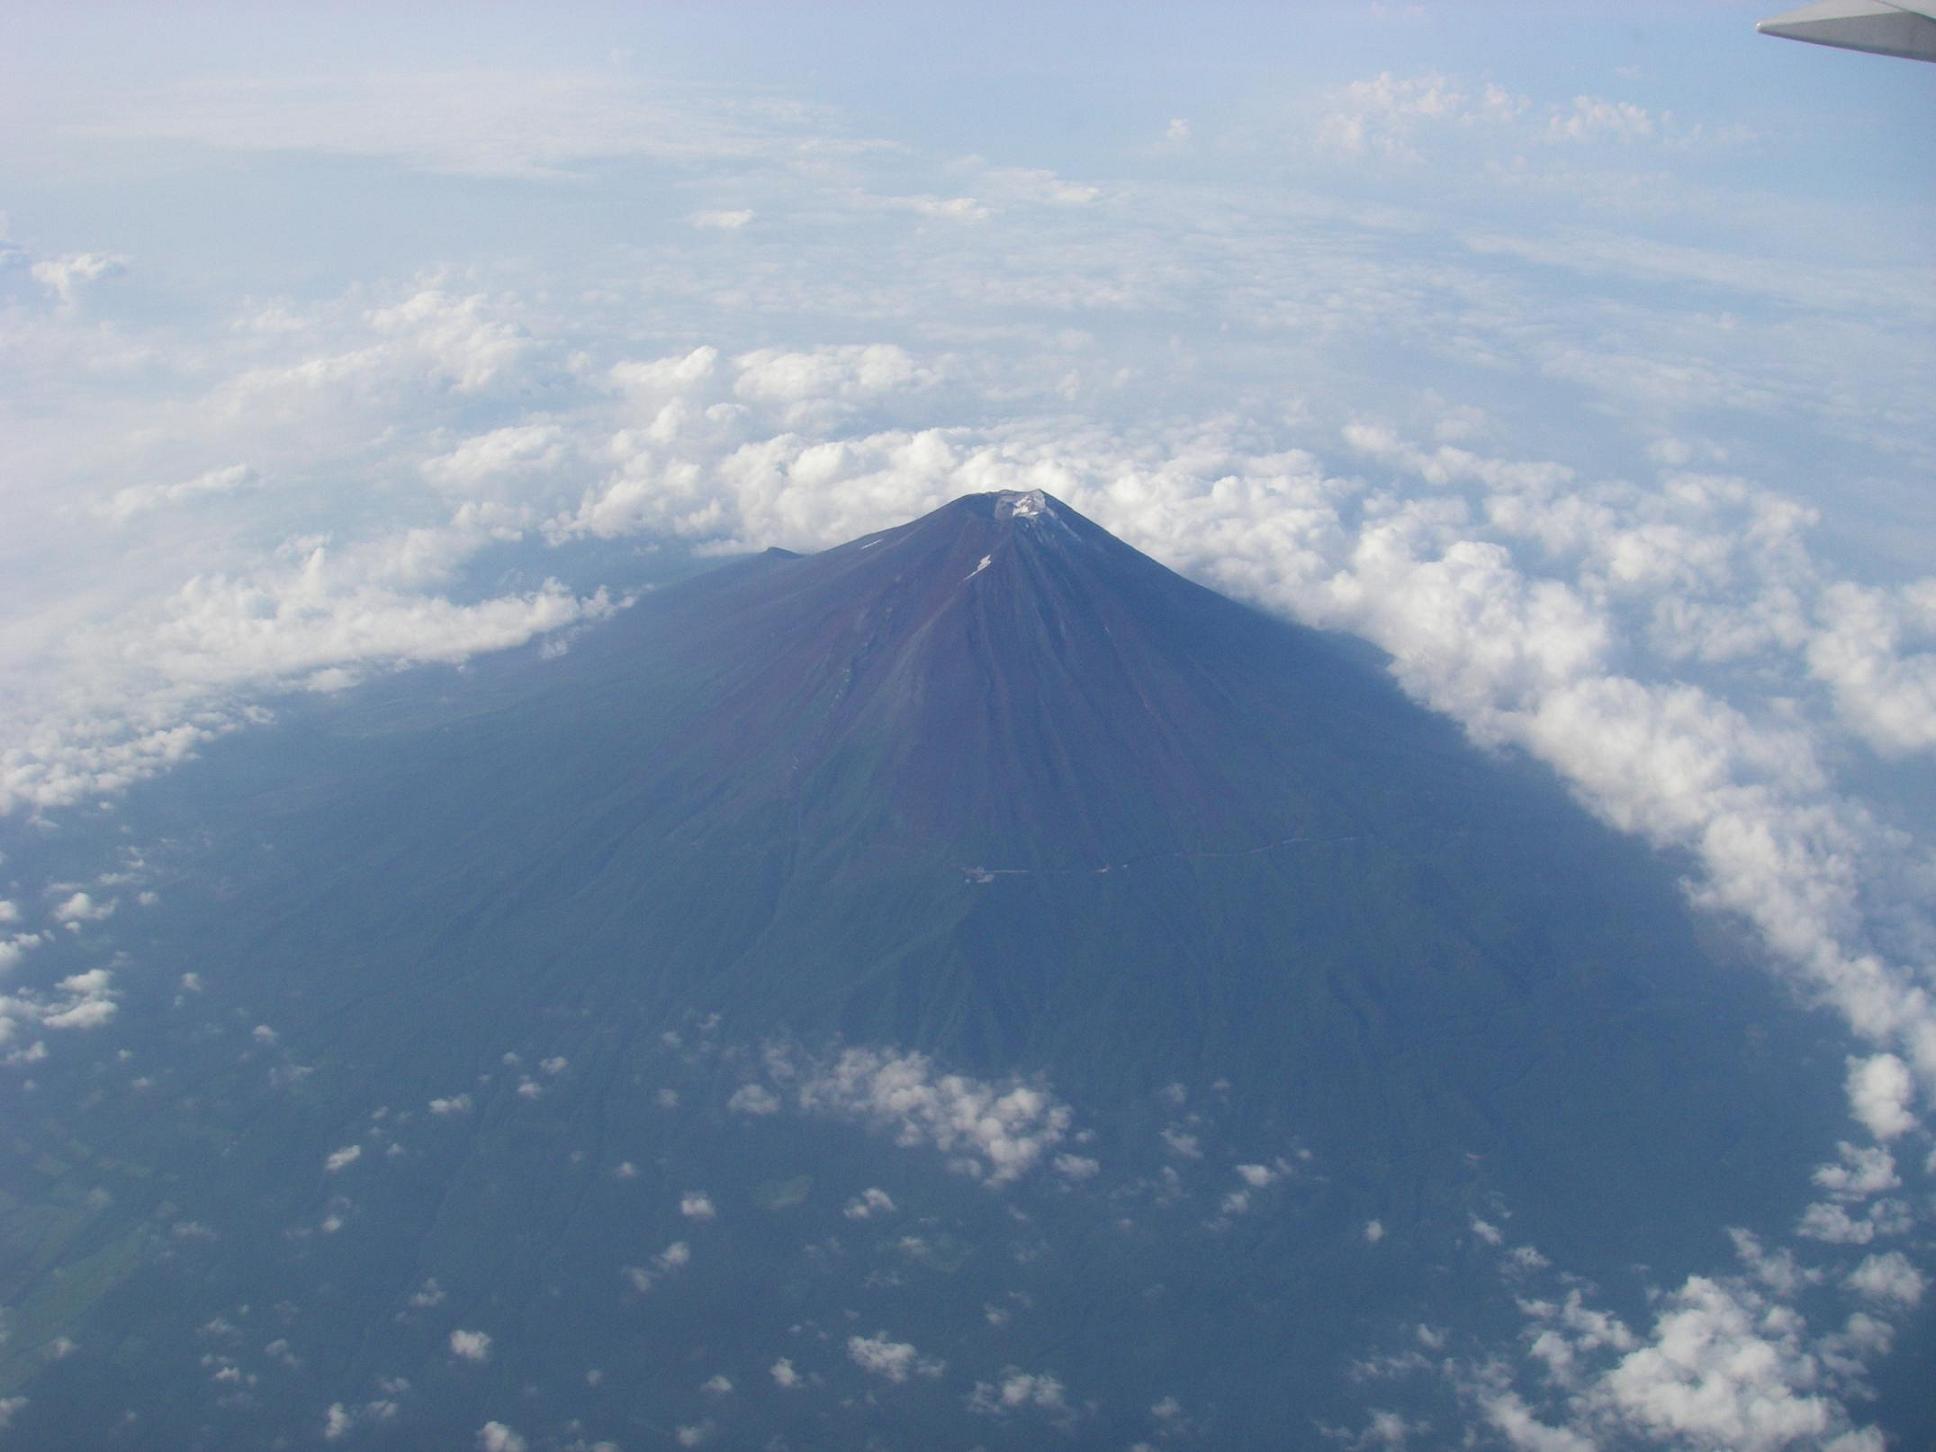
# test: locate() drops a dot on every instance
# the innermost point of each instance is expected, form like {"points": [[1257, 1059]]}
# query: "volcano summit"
{"points": [[967, 981]]}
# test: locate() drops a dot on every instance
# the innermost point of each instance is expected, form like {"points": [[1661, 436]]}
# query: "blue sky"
{"points": [[1577, 355]]}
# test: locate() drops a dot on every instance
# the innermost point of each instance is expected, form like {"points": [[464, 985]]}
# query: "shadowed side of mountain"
{"points": [[997, 786]]}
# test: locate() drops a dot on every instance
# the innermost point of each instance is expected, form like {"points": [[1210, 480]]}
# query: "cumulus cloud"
{"points": [[1593, 118], [339, 1421], [81, 907], [319, 622], [66, 277], [342, 1159], [1880, 1091], [894, 1361], [754, 1099], [79, 1001], [697, 1205], [869, 1203], [675, 1257], [138, 499], [1888, 1277], [822, 385], [1018, 1391], [497, 1437], [1885, 692], [1835, 1224], [1727, 1369], [783, 1374], [1863, 1170], [1386, 114], [511, 453], [470, 1345], [994, 1131]]}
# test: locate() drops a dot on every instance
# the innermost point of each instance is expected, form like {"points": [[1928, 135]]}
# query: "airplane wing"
{"points": [[1903, 29]]}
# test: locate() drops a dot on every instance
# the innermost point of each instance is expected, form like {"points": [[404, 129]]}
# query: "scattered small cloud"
{"points": [[891, 1360]]}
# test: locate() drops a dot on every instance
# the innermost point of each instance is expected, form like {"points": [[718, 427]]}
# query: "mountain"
{"points": [[983, 863]]}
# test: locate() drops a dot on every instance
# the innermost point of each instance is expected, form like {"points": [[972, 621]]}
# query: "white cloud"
{"points": [[696, 1205], [68, 276], [1513, 1420], [1017, 1391], [754, 1099], [342, 1159], [1880, 1091], [497, 1437], [514, 452], [783, 1374], [666, 376], [470, 1345], [82, 908], [1886, 695], [427, 1295], [869, 1203], [1019, 185], [80, 1001], [1832, 1223], [721, 221], [1864, 1170], [1592, 118], [1888, 1277], [1777, 1270], [1726, 1369], [340, 1420], [14, 949], [1388, 114], [894, 1360], [138, 499], [452, 1105], [822, 385], [995, 1131]]}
